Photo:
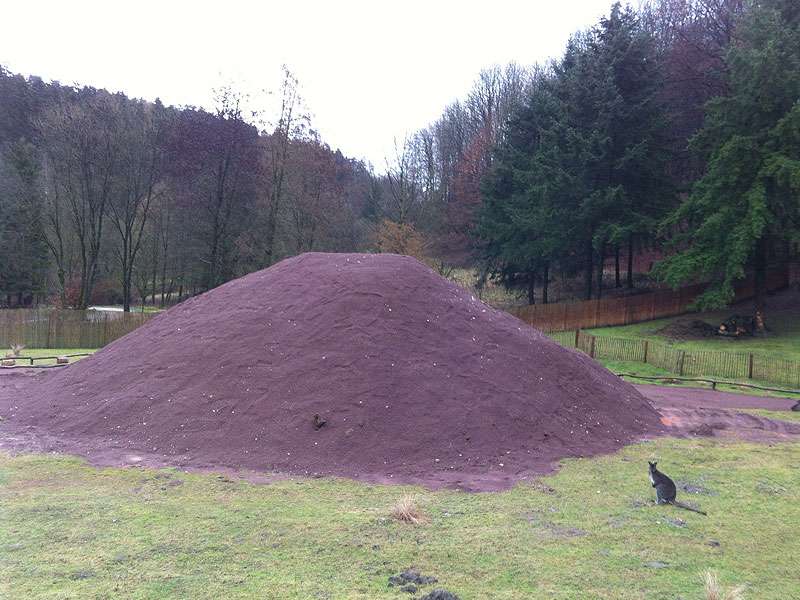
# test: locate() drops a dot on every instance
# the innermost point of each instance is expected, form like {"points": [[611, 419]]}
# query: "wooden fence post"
{"points": [[646, 346], [591, 346], [577, 336], [680, 362], [50, 326], [750, 367]]}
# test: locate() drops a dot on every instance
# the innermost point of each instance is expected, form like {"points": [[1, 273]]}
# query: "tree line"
{"points": [[670, 130], [108, 198], [675, 127]]}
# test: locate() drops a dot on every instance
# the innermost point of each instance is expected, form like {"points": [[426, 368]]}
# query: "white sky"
{"points": [[370, 71]]}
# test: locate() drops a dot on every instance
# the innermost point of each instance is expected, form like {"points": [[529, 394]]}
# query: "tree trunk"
{"points": [[616, 267], [630, 262], [760, 284], [589, 268], [600, 269], [532, 288], [62, 287], [163, 283], [545, 282]]}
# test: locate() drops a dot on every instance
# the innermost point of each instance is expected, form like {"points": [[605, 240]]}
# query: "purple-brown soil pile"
{"points": [[416, 379]]}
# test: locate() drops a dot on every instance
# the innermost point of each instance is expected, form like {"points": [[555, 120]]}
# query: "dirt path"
{"points": [[705, 398], [703, 412]]}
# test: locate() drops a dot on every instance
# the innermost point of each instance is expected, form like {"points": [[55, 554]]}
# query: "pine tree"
{"points": [[581, 166], [748, 202], [23, 267]]}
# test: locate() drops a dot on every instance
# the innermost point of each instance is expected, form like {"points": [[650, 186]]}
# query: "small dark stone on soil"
{"points": [[440, 595], [411, 576], [410, 588], [81, 575], [695, 488], [713, 543]]}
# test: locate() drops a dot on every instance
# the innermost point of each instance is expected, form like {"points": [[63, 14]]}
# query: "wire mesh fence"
{"points": [[708, 363]]}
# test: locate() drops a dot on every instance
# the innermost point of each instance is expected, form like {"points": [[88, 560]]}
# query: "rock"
{"points": [[411, 576], [440, 595], [713, 543], [410, 588], [8, 362], [62, 360], [82, 574], [694, 487], [656, 564]]}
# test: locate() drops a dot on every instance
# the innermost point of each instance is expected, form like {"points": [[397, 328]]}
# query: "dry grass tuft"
{"points": [[16, 349], [407, 510], [714, 589]]}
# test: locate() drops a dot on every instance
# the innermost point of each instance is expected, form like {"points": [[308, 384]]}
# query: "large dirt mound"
{"points": [[416, 379]]}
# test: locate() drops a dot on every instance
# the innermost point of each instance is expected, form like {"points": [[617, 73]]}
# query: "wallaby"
{"points": [[666, 490]]}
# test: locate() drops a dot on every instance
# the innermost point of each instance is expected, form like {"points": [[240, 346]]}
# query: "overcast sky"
{"points": [[370, 71]]}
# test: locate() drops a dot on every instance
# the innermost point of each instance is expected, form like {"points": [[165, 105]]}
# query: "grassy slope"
{"points": [[72, 531]]}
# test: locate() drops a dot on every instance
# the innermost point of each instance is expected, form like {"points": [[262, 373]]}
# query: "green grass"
{"points": [[147, 308], [782, 340], [69, 530], [51, 352], [782, 415], [492, 292], [648, 370]]}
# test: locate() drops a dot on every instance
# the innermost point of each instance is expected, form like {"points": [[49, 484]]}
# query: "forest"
{"points": [[666, 134]]}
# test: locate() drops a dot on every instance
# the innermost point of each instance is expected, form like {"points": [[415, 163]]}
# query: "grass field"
{"points": [[69, 530], [648, 370], [782, 340], [42, 352]]}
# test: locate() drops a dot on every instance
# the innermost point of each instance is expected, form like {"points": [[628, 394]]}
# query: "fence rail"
{"points": [[713, 382], [54, 328], [690, 363], [630, 309]]}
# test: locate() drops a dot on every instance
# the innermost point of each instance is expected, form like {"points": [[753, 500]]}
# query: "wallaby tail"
{"points": [[687, 507]]}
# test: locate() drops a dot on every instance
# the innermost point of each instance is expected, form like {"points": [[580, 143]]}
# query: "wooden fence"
{"points": [[52, 328], [709, 363], [629, 309]]}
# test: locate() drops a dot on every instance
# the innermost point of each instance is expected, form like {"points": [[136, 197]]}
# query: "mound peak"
{"points": [[416, 380]]}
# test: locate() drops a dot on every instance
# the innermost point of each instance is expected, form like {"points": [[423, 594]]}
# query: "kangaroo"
{"points": [[666, 490]]}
